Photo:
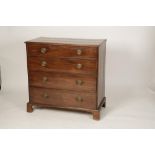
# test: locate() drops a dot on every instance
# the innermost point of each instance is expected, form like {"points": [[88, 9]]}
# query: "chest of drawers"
{"points": [[67, 74]]}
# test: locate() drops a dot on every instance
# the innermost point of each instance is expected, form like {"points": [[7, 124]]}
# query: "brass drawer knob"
{"points": [[79, 99], [43, 50], [78, 51], [79, 66], [79, 82], [43, 63], [45, 79], [45, 95]]}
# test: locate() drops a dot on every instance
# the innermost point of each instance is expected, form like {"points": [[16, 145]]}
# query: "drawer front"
{"points": [[63, 98], [49, 50], [62, 81], [62, 65]]}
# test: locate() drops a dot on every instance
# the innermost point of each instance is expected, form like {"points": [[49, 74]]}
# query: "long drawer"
{"points": [[62, 65], [62, 81], [49, 50], [63, 98]]}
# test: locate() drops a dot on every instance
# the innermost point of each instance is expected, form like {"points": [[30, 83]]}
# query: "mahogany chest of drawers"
{"points": [[66, 73]]}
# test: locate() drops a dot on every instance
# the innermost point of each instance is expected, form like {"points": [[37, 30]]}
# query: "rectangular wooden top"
{"points": [[70, 41]]}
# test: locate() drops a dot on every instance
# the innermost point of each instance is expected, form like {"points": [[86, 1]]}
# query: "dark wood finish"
{"points": [[67, 41], [29, 107], [55, 51], [67, 74], [62, 98], [62, 65], [72, 108], [96, 115], [64, 81]]}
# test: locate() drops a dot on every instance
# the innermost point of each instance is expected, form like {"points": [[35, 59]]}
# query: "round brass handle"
{"points": [[79, 82], [45, 79], [78, 51], [43, 63], [79, 99], [79, 66], [45, 95], [43, 50]]}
